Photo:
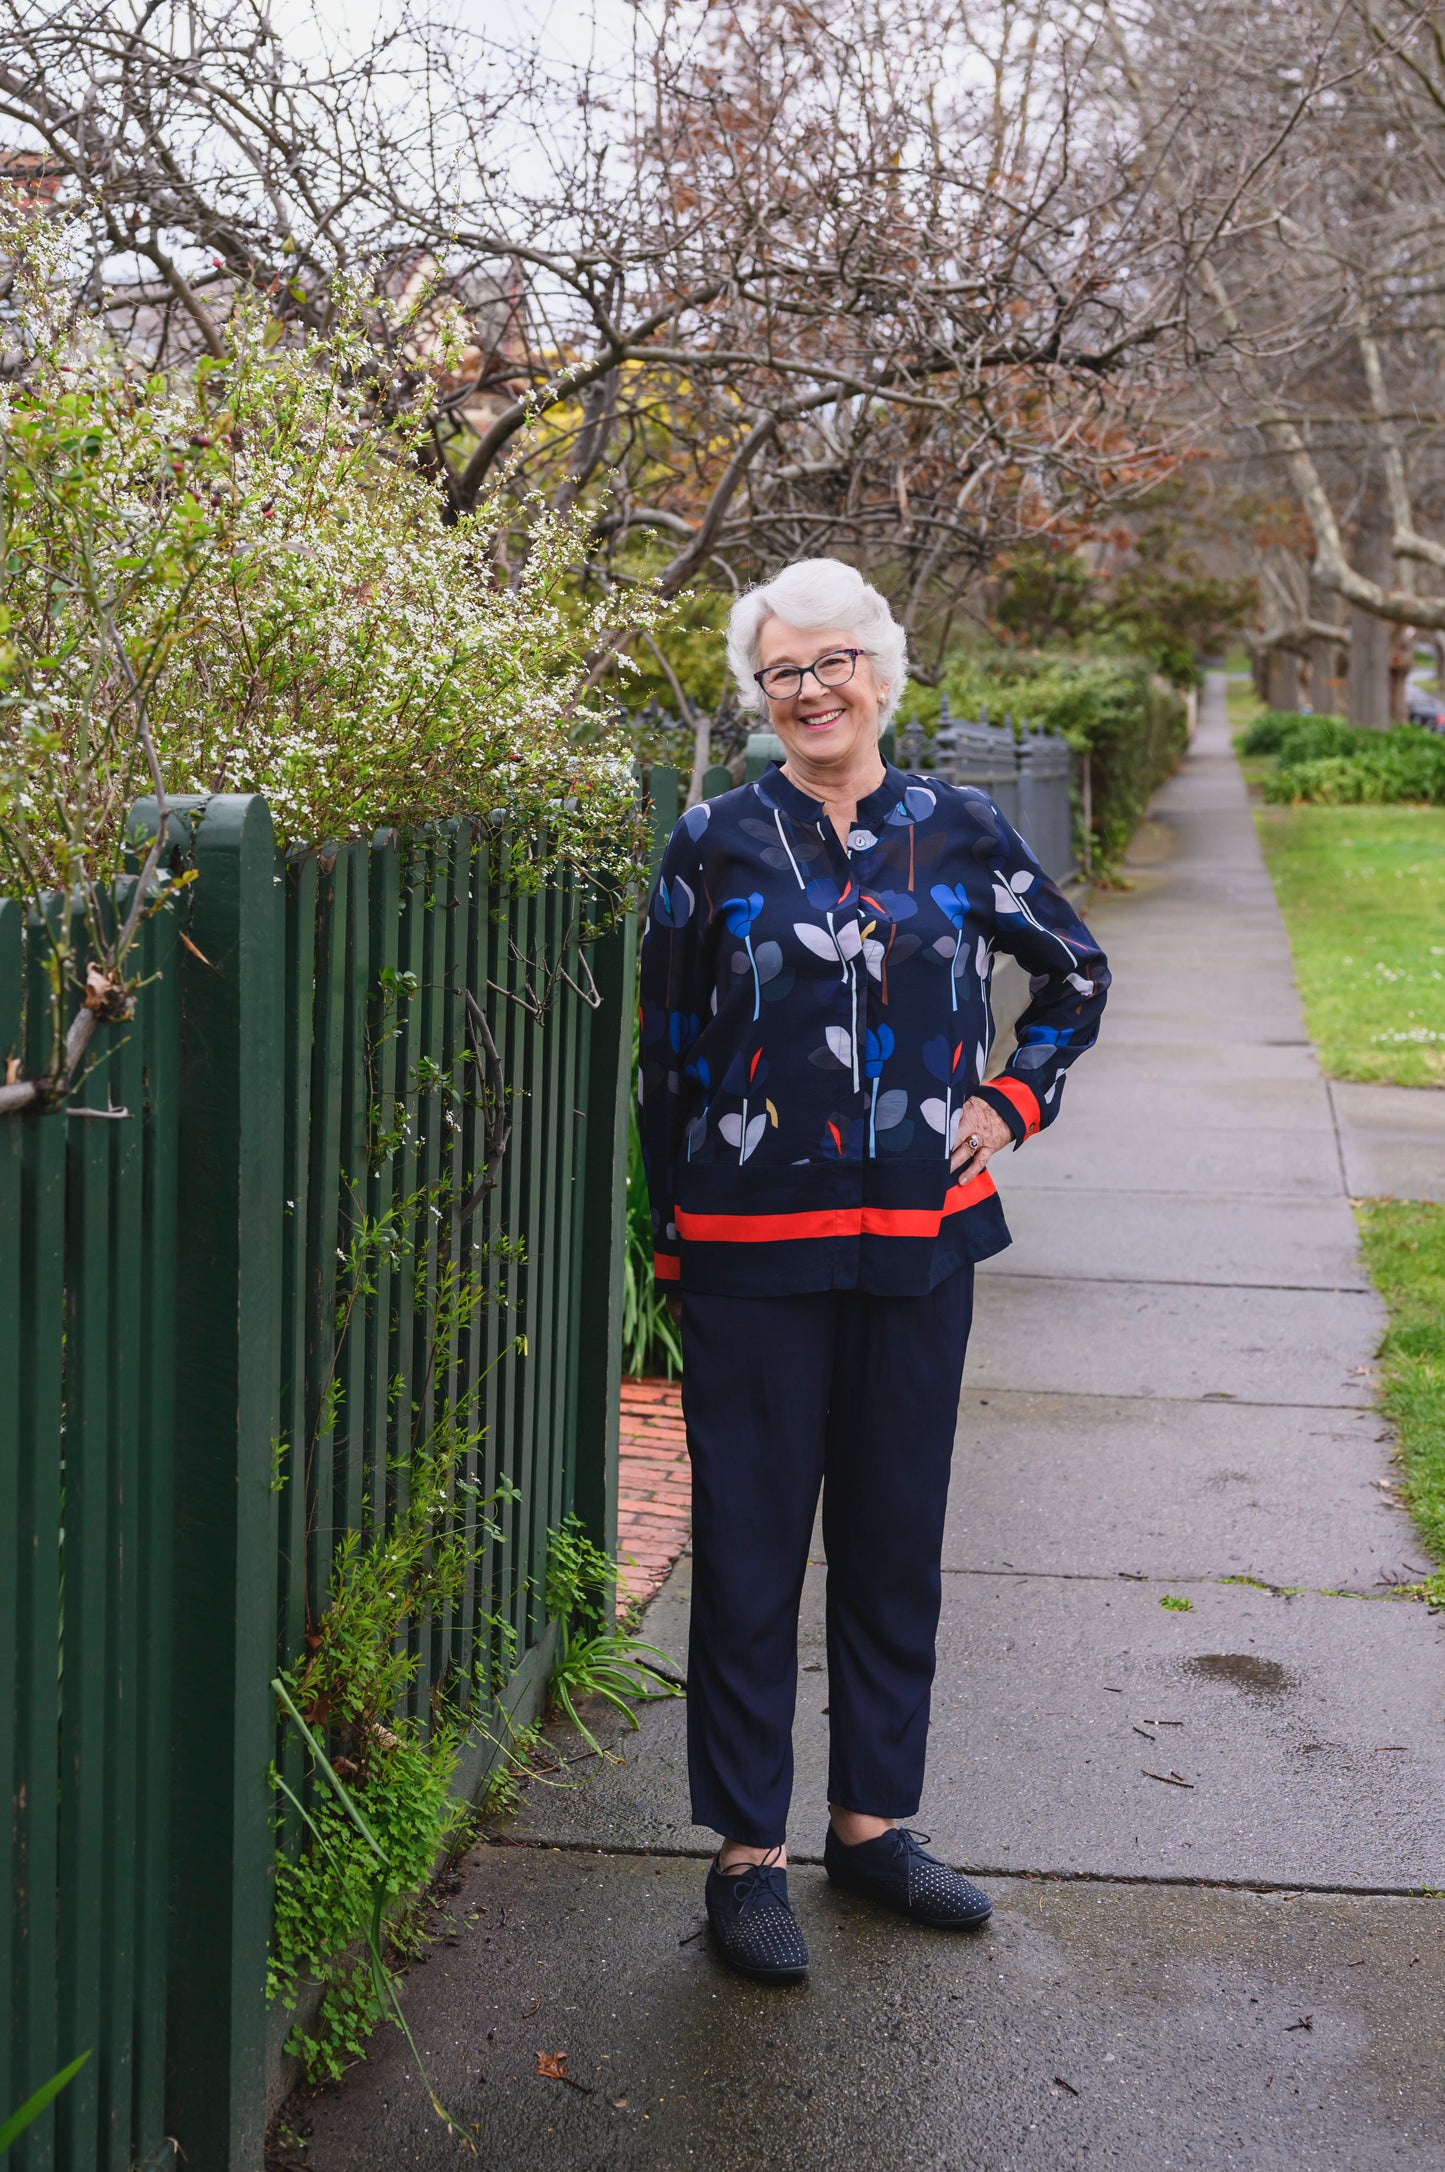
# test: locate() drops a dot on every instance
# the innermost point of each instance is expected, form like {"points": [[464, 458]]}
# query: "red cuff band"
{"points": [[666, 1267], [1023, 1098]]}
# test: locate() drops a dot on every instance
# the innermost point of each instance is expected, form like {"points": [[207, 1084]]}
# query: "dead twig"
{"points": [[106, 998], [497, 1119]]}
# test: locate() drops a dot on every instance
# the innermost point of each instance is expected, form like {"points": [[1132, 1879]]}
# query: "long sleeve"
{"points": [[1068, 979], [674, 998]]}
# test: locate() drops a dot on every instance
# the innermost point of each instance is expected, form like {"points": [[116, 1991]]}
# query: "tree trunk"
{"points": [[1259, 672], [1326, 661], [1402, 658], [1369, 672], [1282, 685]]}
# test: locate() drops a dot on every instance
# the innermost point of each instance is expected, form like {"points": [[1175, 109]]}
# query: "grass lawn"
{"points": [[1243, 705], [1404, 1247], [1363, 895]]}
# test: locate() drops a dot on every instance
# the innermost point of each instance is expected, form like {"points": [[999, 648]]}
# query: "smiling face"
{"points": [[833, 728]]}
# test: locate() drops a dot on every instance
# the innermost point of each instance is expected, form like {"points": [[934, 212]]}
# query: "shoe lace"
{"points": [[910, 1845], [766, 1877]]}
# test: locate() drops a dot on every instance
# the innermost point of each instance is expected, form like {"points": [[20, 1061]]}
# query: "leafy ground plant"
{"points": [[1404, 1246], [12, 2128], [367, 1870], [374, 1801], [380, 1810], [1362, 890], [349, 1910], [595, 1655]]}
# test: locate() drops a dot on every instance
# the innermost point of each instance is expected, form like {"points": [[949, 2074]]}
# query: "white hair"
{"points": [[814, 593]]}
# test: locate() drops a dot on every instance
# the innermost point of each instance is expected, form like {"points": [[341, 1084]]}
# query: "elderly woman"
{"points": [[817, 1132]]}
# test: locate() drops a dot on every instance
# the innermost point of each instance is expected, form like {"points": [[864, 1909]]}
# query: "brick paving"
{"points": [[654, 1487]]}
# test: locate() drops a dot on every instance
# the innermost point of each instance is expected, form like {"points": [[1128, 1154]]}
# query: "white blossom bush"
{"points": [[267, 567]]}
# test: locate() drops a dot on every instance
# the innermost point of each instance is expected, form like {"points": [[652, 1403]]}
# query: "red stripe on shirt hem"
{"points": [[1024, 1099], [812, 1222]]}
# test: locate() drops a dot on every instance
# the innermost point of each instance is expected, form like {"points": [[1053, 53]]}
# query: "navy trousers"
{"points": [[858, 1394]]}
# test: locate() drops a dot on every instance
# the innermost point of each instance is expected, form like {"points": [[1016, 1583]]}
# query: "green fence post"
{"points": [[663, 790], [716, 780], [228, 1388], [12, 1365], [35, 1804], [763, 747], [603, 1235]]}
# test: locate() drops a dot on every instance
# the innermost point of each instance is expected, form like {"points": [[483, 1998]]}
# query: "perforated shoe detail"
{"points": [[938, 1894], [753, 1924], [896, 1870]]}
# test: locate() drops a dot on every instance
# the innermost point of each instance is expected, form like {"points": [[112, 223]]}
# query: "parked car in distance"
{"points": [[1426, 709]]}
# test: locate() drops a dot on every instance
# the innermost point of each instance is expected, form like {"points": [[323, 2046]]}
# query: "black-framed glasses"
{"points": [[782, 682]]}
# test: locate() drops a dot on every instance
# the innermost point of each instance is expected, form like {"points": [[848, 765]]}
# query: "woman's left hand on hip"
{"points": [[979, 1133]]}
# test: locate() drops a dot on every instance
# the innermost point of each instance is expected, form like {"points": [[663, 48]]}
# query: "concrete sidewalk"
{"points": [[1392, 1139], [1207, 1830]]}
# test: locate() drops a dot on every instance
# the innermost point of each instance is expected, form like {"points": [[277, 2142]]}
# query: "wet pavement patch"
{"points": [[1259, 1677]]}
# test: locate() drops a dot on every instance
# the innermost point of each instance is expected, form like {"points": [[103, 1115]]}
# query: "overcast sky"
{"points": [[566, 27]]}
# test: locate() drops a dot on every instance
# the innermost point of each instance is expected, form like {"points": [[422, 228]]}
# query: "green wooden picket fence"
{"points": [[88, 1213], [183, 1440]]}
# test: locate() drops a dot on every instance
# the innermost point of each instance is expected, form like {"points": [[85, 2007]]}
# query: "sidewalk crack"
{"points": [[1402, 1590], [685, 1852]]}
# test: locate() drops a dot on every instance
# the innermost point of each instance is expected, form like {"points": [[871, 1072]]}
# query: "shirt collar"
{"points": [[776, 790]]}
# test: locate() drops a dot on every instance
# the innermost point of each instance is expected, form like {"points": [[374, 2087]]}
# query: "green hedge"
{"points": [[1132, 724], [1332, 763], [1296, 738]]}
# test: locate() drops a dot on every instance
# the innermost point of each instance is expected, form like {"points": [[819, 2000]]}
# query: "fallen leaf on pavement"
{"points": [[552, 2066]]}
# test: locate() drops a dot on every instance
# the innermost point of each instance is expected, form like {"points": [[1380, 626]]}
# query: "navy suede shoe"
{"points": [[894, 1869], [754, 1928]]}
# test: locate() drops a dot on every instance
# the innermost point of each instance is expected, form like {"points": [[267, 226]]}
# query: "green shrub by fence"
{"points": [[184, 1440], [1131, 724]]}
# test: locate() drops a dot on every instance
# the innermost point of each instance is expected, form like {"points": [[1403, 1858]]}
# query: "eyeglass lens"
{"points": [[785, 680]]}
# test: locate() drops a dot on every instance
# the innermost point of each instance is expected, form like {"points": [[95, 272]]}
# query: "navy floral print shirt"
{"points": [[813, 1018]]}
